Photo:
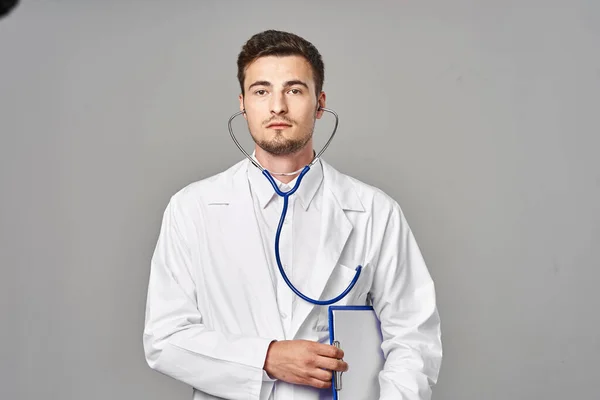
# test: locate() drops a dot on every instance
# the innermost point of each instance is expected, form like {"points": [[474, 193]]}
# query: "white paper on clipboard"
{"points": [[358, 332]]}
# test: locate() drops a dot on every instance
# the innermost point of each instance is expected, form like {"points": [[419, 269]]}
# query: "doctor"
{"points": [[220, 318]]}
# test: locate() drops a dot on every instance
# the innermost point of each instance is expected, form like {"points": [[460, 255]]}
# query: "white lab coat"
{"points": [[211, 310]]}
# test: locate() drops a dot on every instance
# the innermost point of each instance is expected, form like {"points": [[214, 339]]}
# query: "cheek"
{"points": [[253, 117], [256, 128], [305, 116], [307, 121], [254, 110]]}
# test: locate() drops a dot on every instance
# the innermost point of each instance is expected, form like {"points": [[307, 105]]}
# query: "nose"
{"points": [[278, 104]]}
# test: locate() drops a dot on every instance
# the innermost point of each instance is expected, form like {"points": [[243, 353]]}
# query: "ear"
{"points": [[241, 99], [320, 104]]}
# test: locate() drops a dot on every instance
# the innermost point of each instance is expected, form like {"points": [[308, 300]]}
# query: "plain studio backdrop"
{"points": [[481, 118]]}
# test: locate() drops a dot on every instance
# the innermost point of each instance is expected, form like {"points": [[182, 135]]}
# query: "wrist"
{"points": [[266, 364]]}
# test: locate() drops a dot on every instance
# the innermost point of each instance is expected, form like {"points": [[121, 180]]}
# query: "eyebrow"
{"points": [[285, 84]]}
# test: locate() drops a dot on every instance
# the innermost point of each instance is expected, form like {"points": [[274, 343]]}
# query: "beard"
{"points": [[280, 145]]}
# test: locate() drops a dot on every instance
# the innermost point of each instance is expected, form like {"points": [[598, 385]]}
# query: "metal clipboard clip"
{"points": [[337, 375]]}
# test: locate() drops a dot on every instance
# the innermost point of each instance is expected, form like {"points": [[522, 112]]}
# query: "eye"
{"points": [[260, 92], [295, 91]]}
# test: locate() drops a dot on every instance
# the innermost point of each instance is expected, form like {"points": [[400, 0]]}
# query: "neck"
{"points": [[285, 163]]}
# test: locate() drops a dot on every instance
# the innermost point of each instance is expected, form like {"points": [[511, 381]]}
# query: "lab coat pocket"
{"points": [[339, 280]]}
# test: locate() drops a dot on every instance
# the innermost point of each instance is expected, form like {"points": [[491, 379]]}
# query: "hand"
{"points": [[303, 362]]}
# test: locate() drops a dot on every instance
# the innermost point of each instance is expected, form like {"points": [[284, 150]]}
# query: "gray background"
{"points": [[479, 117]]}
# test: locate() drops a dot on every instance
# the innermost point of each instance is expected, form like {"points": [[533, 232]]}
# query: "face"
{"points": [[281, 103]]}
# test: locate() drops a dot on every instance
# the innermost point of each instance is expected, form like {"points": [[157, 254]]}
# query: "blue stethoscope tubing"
{"points": [[286, 196]]}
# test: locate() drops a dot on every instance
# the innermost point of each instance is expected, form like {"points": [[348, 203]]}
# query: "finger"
{"points": [[332, 364], [320, 374], [326, 350], [319, 384]]}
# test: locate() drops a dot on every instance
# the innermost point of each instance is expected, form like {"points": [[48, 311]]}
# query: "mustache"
{"points": [[279, 119]]}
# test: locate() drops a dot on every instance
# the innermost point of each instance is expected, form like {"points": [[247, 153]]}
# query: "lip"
{"points": [[278, 125]]}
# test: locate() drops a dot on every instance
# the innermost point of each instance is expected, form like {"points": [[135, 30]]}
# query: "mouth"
{"points": [[278, 125]]}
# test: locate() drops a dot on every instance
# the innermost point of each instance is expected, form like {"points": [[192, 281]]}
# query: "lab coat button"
{"points": [[283, 315]]}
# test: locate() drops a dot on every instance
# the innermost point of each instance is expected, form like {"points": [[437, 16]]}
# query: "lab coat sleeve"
{"points": [[403, 297], [177, 343]]}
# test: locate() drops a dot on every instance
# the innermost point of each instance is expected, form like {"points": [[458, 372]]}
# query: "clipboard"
{"points": [[357, 331]]}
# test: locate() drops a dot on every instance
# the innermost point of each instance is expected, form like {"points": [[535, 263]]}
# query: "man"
{"points": [[219, 316]]}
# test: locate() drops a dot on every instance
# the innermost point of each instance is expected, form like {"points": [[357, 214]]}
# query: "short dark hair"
{"points": [[278, 43]]}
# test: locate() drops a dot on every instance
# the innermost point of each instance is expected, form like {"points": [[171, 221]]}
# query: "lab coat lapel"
{"points": [[335, 230], [240, 228]]}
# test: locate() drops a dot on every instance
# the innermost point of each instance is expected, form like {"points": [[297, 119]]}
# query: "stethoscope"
{"points": [[286, 196]]}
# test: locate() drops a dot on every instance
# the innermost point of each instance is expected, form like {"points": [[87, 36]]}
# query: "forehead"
{"points": [[278, 69]]}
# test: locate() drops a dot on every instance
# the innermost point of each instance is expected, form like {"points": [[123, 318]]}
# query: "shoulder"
{"points": [[371, 198], [215, 188]]}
